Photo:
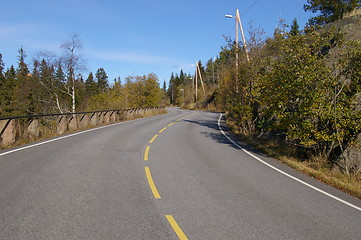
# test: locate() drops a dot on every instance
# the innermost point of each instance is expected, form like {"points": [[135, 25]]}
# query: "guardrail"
{"points": [[24, 128]]}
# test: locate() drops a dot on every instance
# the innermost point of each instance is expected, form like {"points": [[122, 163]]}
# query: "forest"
{"points": [[55, 84]]}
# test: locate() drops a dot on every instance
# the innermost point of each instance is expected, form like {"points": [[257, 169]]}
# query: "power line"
{"points": [[250, 7]]}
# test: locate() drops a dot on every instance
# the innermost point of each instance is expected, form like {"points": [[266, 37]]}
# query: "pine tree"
{"points": [[2, 84], [59, 74], [294, 28], [2, 65], [22, 66], [102, 80], [90, 85], [164, 86]]}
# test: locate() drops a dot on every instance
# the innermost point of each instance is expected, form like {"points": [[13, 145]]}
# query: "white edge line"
{"points": [[284, 173], [67, 136]]}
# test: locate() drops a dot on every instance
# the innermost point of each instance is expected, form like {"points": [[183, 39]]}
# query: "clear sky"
{"points": [[136, 37]]}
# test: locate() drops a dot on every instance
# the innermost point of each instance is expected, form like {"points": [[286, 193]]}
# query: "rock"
{"points": [[351, 157], [62, 125], [33, 129], [11, 132], [72, 123]]}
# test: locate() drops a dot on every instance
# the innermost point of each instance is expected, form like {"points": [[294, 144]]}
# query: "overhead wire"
{"points": [[249, 8], [243, 13]]}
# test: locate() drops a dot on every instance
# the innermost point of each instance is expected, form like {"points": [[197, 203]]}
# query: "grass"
{"points": [[315, 166]]}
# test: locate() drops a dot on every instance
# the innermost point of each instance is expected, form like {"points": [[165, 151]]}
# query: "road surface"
{"points": [[171, 176]]}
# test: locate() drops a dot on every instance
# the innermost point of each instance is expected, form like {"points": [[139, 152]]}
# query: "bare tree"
{"points": [[72, 63], [45, 64]]}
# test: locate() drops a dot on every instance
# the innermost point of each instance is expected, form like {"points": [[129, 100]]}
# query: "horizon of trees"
{"points": [[56, 84]]}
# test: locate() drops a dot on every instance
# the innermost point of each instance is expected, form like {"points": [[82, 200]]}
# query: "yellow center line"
{"points": [[146, 153], [176, 227], [170, 124], [162, 130], [151, 183], [152, 140]]}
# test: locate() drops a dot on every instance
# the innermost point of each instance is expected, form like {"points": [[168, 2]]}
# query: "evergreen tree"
{"points": [[171, 88], [164, 86], [2, 65], [294, 28], [102, 79], [59, 74], [2, 84], [90, 85], [22, 66]]}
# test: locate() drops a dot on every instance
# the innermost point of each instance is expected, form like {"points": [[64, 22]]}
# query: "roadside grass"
{"points": [[315, 166]]}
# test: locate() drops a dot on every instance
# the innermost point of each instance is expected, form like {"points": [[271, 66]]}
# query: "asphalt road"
{"points": [[172, 176]]}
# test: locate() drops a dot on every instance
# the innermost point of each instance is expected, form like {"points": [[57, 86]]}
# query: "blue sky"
{"points": [[136, 37]]}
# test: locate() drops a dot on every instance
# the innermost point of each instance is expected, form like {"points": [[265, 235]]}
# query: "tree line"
{"points": [[301, 86], [55, 84]]}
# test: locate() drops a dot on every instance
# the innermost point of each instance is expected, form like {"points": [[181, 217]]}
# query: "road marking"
{"points": [[284, 173], [176, 227], [170, 124], [151, 183], [162, 129], [146, 153], [152, 140]]}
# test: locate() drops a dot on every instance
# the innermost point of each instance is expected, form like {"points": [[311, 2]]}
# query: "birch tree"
{"points": [[72, 63]]}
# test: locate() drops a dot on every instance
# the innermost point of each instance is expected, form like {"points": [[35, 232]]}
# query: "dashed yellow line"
{"points": [[151, 183], [146, 153], [180, 119], [162, 129], [176, 227], [152, 140], [170, 124]]}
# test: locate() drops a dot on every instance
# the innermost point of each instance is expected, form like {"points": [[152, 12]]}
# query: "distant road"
{"points": [[171, 176]]}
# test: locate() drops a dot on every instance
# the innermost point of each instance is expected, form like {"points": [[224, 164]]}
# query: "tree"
{"points": [[22, 66], [1, 66], [295, 28], [73, 63], [164, 86], [2, 84], [20, 92], [102, 80], [90, 85], [330, 10]]}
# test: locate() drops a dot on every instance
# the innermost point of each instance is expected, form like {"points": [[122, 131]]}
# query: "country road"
{"points": [[171, 176]]}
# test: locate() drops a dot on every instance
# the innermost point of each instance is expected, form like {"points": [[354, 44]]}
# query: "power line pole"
{"points": [[239, 26], [238, 19]]}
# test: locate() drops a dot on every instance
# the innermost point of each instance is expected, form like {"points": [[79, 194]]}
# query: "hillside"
{"points": [[351, 26]]}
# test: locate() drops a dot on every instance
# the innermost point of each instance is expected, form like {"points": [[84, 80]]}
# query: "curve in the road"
{"points": [[173, 223]]}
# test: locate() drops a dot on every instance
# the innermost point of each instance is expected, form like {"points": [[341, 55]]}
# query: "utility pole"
{"points": [[200, 77], [238, 19], [196, 82], [239, 26], [198, 72]]}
